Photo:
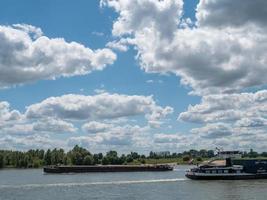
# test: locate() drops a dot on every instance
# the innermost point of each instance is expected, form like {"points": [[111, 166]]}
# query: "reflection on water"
{"points": [[33, 184]]}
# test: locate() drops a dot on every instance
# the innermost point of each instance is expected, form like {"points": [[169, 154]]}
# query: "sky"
{"points": [[133, 75]]}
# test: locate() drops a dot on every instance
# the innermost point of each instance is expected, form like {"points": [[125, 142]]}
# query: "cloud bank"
{"points": [[103, 119]]}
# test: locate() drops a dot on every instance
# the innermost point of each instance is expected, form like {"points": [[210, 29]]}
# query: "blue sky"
{"points": [[82, 22], [195, 73]]}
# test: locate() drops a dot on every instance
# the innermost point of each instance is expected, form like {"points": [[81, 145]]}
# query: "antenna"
{"points": [[218, 150]]}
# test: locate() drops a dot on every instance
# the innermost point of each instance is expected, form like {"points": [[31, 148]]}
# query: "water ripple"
{"points": [[28, 186]]}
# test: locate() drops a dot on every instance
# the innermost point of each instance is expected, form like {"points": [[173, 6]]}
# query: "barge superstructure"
{"points": [[228, 169]]}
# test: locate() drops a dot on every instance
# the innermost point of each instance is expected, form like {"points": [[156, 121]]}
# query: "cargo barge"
{"points": [[229, 169], [105, 168]]}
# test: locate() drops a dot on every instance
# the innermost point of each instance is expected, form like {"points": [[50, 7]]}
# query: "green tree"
{"points": [[105, 161], [199, 159], [88, 160], [152, 154], [57, 156], [142, 161], [47, 157], [252, 154], [210, 154], [186, 158], [129, 158], [36, 163], [112, 157], [193, 153], [203, 153], [66, 160], [97, 158], [1, 160], [135, 155], [78, 154], [41, 154], [26, 161], [122, 159]]}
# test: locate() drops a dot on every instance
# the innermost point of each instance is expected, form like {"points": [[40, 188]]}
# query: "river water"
{"points": [[32, 184]]}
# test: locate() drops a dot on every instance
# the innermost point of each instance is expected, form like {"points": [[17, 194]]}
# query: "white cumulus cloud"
{"points": [[206, 57], [230, 120], [26, 55], [100, 106]]}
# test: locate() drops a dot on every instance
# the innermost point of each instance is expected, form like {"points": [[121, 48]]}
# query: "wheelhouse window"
{"points": [[226, 171]]}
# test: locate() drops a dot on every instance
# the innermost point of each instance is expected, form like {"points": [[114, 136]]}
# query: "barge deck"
{"points": [[105, 168]]}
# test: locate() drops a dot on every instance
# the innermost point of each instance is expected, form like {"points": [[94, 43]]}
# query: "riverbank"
{"points": [[149, 161], [170, 161], [80, 156], [177, 161]]}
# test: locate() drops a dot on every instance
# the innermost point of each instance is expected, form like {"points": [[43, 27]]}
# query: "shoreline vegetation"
{"points": [[80, 156]]}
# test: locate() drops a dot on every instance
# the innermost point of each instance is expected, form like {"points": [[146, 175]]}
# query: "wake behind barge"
{"points": [[230, 169], [105, 168]]}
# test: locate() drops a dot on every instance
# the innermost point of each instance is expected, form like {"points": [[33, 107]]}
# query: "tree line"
{"points": [[77, 156], [81, 156]]}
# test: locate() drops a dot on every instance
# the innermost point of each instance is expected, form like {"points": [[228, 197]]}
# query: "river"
{"points": [[32, 184]]}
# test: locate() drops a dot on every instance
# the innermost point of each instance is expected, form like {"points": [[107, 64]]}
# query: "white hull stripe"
{"points": [[223, 174]]}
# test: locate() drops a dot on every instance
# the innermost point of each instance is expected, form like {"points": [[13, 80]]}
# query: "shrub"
{"points": [[186, 158]]}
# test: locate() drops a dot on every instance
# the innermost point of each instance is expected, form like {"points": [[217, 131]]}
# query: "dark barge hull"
{"points": [[233, 177], [106, 168]]}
